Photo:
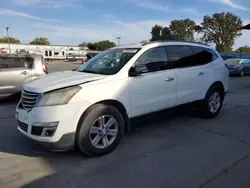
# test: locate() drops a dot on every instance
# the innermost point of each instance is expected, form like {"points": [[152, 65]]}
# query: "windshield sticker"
{"points": [[129, 51]]}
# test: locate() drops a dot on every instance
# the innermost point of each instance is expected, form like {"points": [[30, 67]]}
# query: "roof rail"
{"points": [[152, 42]]}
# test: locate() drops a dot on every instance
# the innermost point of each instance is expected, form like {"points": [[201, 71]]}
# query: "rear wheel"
{"points": [[212, 104], [100, 130]]}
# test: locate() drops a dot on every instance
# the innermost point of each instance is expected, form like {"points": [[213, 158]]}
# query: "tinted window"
{"points": [[203, 56], [155, 60], [13, 62], [50, 53], [181, 56], [16, 62], [46, 53], [245, 62]]}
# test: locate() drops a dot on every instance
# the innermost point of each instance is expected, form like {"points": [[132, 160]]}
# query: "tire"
{"points": [[207, 111], [242, 73], [89, 129]]}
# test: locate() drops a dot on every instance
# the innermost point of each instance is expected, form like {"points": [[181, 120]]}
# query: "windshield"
{"points": [[233, 61], [108, 62]]}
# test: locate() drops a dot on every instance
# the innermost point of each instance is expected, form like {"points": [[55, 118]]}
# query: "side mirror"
{"points": [[137, 70]]}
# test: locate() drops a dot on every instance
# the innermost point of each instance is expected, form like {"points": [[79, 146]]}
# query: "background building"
{"points": [[53, 52]]}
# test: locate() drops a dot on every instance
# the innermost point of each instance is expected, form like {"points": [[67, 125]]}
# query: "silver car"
{"points": [[17, 70]]}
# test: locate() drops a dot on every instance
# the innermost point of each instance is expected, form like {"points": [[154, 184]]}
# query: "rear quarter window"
{"points": [[204, 55]]}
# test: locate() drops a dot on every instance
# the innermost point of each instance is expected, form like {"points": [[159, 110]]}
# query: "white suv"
{"points": [[91, 107]]}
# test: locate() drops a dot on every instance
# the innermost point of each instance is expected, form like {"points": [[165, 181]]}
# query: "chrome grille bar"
{"points": [[29, 99]]}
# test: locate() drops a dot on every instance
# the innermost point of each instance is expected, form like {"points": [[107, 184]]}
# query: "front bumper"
{"points": [[63, 120], [65, 143], [234, 72]]}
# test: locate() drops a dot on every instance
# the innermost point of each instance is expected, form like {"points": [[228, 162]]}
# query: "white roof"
{"points": [[141, 45], [133, 45]]}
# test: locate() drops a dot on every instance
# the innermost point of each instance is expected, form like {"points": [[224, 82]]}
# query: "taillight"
{"points": [[45, 68]]}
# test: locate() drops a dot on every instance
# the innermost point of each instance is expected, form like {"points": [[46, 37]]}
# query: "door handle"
{"points": [[201, 73], [24, 73], [169, 79]]}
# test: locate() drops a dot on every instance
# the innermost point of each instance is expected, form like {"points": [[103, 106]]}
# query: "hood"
{"points": [[59, 80], [235, 66]]}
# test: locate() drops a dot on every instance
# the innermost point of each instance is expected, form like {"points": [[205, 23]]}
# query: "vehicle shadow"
{"points": [[20, 145], [10, 100], [142, 127], [67, 166]]}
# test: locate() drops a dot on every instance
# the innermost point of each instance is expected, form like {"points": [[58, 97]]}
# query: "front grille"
{"points": [[29, 99], [23, 126], [36, 130]]}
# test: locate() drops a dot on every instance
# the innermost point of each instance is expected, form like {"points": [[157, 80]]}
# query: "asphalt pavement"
{"points": [[170, 149], [62, 66]]}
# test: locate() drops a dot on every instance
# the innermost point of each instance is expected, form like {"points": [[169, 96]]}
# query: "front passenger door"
{"points": [[246, 64], [155, 89]]}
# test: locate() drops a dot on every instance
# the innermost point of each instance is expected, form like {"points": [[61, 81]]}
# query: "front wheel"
{"points": [[242, 73], [212, 104], [100, 130]]}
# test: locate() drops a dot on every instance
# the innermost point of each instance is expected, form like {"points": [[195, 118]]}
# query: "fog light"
{"points": [[49, 132], [48, 129]]}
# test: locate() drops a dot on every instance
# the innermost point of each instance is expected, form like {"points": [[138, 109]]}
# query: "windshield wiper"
{"points": [[89, 71]]}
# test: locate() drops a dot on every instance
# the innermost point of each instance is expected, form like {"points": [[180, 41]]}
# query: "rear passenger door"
{"points": [[204, 60], [14, 72], [189, 73]]}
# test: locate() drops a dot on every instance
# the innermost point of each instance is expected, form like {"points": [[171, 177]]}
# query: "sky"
{"points": [[75, 21]]}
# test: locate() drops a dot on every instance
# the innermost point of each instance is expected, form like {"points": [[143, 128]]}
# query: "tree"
{"points": [[101, 45], [166, 33], [182, 29], [92, 46], [156, 33], [178, 30], [40, 41], [83, 44], [243, 49], [11, 40], [221, 29]]}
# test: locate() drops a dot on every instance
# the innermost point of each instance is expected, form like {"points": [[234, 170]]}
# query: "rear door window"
{"points": [[16, 62], [3, 63], [181, 56]]}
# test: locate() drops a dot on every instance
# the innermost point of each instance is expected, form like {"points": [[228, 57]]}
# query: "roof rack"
{"points": [[174, 41]]}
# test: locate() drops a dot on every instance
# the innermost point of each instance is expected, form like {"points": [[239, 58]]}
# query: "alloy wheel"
{"points": [[103, 132], [214, 102]]}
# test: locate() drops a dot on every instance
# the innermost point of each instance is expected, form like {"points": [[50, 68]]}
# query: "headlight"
{"points": [[58, 97]]}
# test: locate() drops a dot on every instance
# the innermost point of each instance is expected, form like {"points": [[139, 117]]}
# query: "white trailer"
{"points": [[49, 52]]}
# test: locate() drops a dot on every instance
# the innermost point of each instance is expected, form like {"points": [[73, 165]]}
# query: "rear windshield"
{"points": [[233, 61]]}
